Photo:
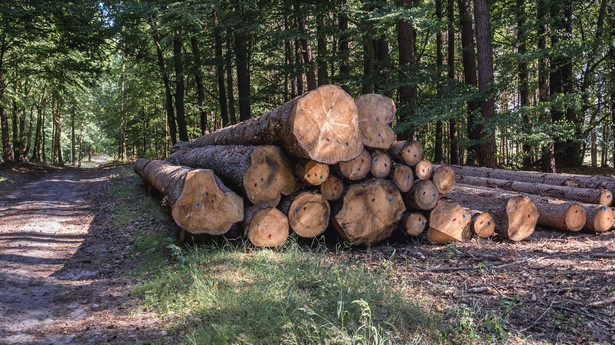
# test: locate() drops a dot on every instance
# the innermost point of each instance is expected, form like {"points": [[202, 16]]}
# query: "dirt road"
{"points": [[59, 264]]}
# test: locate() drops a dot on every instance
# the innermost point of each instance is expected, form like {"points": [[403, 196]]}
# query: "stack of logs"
{"points": [[325, 158]]}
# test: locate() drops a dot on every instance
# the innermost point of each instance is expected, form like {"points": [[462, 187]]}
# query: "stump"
{"points": [[408, 152], [265, 226], [381, 164], [308, 213], [332, 189], [423, 169], [444, 178], [422, 196], [448, 222], [375, 113], [312, 172], [356, 168], [412, 223], [402, 176]]}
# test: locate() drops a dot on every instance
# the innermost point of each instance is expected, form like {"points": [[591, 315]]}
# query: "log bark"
{"points": [[482, 223], [312, 172], [412, 223], [321, 125], [332, 189], [585, 195], [403, 177], [381, 164], [265, 226], [200, 203], [422, 196], [308, 213], [356, 168], [448, 222], [368, 212], [444, 178], [375, 113], [408, 152], [515, 215], [423, 169], [261, 173]]}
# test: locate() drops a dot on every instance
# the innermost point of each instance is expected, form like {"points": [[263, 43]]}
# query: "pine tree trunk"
{"points": [[544, 88], [524, 87], [344, 51], [323, 79], [243, 75], [229, 80], [306, 50], [407, 94], [167, 85], [452, 125], [180, 87], [438, 154], [7, 152], [383, 66], [198, 78]]}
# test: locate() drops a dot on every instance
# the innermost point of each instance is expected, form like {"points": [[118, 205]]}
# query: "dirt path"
{"points": [[58, 264]]}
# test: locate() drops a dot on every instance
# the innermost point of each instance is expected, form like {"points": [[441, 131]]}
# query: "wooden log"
{"points": [[375, 113], [312, 172], [408, 152], [515, 215], [422, 196], [402, 176], [261, 173], [412, 223], [321, 125], [200, 203], [600, 218], [444, 178], [381, 164], [584, 195], [265, 226], [448, 222], [423, 169], [356, 168], [308, 213], [332, 189], [368, 212], [482, 223], [569, 180]]}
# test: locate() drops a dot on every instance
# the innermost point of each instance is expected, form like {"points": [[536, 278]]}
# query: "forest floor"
{"points": [[74, 254]]}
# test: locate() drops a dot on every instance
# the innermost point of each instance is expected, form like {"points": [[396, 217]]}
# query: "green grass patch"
{"points": [[4, 179], [134, 203]]}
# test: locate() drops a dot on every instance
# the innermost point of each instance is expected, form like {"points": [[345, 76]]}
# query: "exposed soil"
{"points": [[61, 261]]}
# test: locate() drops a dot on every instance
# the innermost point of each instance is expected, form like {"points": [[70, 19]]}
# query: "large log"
{"points": [[308, 213], [381, 164], [412, 223], [200, 203], [570, 180], [482, 223], [356, 168], [375, 113], [265, 226], [584, 195], [422, 196], [448, 222], [332, 189], [312, 172], [402, 176], [444, 178], [368, 212], [261, 173], [515, 215], [599, 218], [321, 125], [408, 152]]}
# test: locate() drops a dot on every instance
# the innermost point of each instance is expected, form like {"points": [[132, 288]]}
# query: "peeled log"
{"points": [[356, 168], [333, 188], [423, 169], [403, 177], [585, 195], [261, 173], [482, 224], [570, 180], [200, 203], [375, 113], [515, 215], [368, 212], [308, 213], [599, 218], [412, 223], [408, 152], [381, 164], [448, 222], [321, 125], [265, 226], [312, 172], [422, 196], [444, 178]]}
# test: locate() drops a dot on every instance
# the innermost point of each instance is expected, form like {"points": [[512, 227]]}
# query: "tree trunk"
{"points": [[409, 152], [402, 176], [383, 66], [261, 173], [356, 168], [167, 85], [243, 74], [524, 87], [198, 78], [16, 132], [306, 50], [452, 125], [38, 135], [484, 54], [301, 127], [423, 169], [332, 189], [308, 213], [412, 223], [438, 154], [200, 203], [599, 218], [381, 164], [298, 68], [368, 212], [444, 178], [72, 137], [482, 223], [313, 173], [448, 222], [422, 196], [229, 80], [323, 79], [344, 51], [375, 113], [121, 147], [265, 226], [180, 87], [544, 88], [407, 93], [367, 85]]}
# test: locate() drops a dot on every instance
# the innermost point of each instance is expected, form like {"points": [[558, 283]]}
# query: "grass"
{"points": [[3, 179]]}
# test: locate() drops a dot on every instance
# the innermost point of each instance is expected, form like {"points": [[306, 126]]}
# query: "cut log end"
{"points": [[444, 179], [309, 214], [374, 113], [333, 188], [205, 206], [313, 172], [325, 124], [423, 169], [412, 223], [522, 217], [422, 196], [381, 164], [409, 152], [403, 177], [268, 176], [575, 217], [356, 168], [606, 197], [599, 219], [448, 222], [483, 224], [266, 226]]}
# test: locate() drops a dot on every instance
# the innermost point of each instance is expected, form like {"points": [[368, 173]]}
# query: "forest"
{"points": [[514, 83]]}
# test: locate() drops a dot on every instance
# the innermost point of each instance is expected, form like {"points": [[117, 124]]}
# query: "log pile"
{"points": [[327, 161]]}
